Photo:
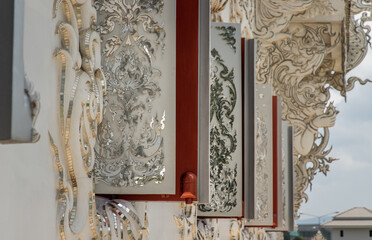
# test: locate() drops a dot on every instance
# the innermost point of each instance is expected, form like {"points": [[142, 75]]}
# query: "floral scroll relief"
{"points": [[81, 87], [130, 142], [223, 140]]}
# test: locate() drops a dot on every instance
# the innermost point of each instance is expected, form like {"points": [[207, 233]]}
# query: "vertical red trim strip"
{"points": [[275, 161], [187, 88]]}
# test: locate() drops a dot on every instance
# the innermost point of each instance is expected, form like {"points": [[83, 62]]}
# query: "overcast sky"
{"points": [[349, 182]]}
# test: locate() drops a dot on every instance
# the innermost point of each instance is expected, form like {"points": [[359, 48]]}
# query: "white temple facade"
{"points": [[169, 119]]}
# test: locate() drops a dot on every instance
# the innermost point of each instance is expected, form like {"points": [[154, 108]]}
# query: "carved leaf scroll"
{"points": [[224, 123], [223, 139]]}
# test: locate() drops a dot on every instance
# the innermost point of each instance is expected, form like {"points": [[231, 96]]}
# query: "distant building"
{"points": [[353, 224], [309, 231]]}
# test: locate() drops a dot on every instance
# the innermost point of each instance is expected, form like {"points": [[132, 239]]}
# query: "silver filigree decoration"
{"points": [[118, 220], [223, 140], [262, 175], [34, 99], [130, 145]]}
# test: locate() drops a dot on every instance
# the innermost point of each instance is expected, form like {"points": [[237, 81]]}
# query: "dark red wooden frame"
{"points": [[275, 161]]}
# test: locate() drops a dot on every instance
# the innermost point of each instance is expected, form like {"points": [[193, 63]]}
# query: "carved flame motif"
{"points": [[130, 148], [80, 89]]}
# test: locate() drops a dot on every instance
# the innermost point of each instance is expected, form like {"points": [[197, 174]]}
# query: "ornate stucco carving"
{"points": [[130, 147], [187, 222], [81, 86], [80, 89], [300, 70], [266, 19], [357, 39], [358, 43]]}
